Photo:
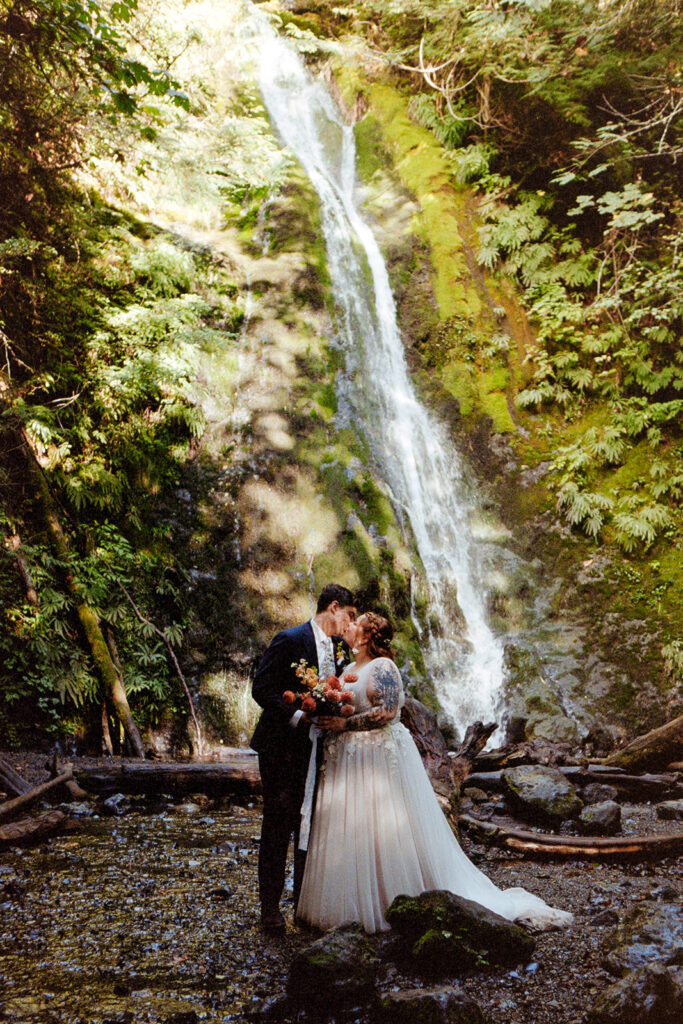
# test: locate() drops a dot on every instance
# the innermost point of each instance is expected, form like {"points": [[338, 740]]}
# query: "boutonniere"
{"points": [[341, 653]]}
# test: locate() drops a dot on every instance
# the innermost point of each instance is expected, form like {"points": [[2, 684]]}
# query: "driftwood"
{"points": [[31, 830], [644, 787], [10, 807], [475, 740], [653, 750], [56, 768], [574, 847], [12, 781], [238, 776]]}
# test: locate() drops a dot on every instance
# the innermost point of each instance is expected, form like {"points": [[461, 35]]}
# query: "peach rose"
{"points": [[350, 677], [346, 710], [332, 683], [347, 697], [308, 704], [288, 697]]}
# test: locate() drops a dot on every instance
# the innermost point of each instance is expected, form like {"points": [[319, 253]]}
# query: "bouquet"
{"points": [[321, 696]]}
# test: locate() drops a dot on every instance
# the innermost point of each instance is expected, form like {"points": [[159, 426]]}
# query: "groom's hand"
{"points": [[331, 722]]}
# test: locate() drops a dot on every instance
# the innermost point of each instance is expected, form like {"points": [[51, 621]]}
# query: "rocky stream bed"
{"points": [[151, 916]]}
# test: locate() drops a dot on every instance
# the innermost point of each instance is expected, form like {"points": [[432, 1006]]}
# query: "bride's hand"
{"points": [[331, 723]]}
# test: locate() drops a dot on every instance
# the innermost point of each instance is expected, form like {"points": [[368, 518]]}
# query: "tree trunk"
{"points": [[13, 544], [238, 775], [11, 781], [88, 618], [655, 749], [29, 830], [10, 807]]}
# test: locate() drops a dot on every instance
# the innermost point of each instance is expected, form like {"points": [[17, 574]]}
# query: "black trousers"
{"points": [[283, 777]]}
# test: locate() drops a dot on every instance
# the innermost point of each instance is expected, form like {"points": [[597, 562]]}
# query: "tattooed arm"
{"points": [[384, 693]]}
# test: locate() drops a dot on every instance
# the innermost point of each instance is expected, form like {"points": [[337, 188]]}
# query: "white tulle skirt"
{"points": [[378, 831]]}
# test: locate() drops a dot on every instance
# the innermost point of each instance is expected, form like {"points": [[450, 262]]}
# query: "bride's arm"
{"points": [[384, 693]]}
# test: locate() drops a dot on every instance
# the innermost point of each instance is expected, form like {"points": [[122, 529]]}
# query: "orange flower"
{"points": [[346, 710], [332, 683], [308, 704], [288, 697], [351, 677], [331, 695], [347, 697]]}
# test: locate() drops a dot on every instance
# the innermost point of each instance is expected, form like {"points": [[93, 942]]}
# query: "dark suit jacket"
{"points": [[273, 676]]}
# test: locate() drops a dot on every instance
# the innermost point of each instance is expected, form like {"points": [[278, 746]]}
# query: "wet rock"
{"points": [[444, 932], [603, 819], [541, 793], [670, 810], [604, 919], [554, 728], [445, 1005], [183, 1017], [340, 969], [221, 893], [478, 796], [648, 995], [647, 934], [597, 792], [82, 810], [116, 805]]}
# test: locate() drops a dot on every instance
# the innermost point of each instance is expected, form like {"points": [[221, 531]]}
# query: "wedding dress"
{"points": [[378, 831]]}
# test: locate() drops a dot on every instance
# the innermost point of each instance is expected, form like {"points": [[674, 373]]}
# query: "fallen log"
{"points": [[31, 830], [236, 776], [652, 750], [645, 787], [574, 847], [10, 807], [12, 781]]}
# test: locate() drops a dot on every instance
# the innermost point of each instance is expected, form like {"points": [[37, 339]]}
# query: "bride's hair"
{"points": [[380, 634]]}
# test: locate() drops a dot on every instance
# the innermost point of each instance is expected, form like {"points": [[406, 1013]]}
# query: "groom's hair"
{"points": [[333, 592]]}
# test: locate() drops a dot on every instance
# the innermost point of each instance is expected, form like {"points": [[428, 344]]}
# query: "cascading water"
{"points": [[420, 468]]}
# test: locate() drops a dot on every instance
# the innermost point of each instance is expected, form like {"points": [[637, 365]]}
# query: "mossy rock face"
{"points": [[646, 935], [541, 794], [339, 969], [444, 1005], [445, 932], [649, 995]]}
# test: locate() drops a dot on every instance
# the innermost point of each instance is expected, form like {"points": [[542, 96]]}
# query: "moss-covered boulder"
{"points": [[444, 934], [541, 793], [447, 1004], [337, 970]]}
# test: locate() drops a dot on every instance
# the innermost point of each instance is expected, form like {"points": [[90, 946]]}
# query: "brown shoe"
{"points": [[272, 921]]}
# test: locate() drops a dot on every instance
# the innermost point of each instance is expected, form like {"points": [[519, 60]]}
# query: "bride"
{"points": [[378, 830]]}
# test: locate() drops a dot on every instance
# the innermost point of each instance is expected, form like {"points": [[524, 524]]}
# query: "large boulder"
{"points": [[445, 1005], [443, 933], [340, 969], [650, 995], [603, 819], [645, 935], [598, 792], [541, 793]]}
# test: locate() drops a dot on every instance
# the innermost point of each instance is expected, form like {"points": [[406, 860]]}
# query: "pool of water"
{"points": [[143, 918]]}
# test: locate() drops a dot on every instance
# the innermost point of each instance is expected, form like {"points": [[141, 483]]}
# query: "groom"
{"points": [[282, 742]]}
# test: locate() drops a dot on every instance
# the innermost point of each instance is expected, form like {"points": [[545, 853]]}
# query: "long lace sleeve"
{"points": [[385, 693]]}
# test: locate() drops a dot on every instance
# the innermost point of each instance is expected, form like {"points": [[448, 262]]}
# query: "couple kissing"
{"points": [[369, 827]]}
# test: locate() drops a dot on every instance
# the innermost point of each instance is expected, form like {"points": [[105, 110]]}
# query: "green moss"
{"points": [[371, 156]]}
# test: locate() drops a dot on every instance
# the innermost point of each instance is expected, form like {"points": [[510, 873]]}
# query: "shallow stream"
{"points": [[152, 918]]}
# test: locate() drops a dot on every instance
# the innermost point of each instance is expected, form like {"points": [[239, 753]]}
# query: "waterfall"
{"points": [[421, 469]]}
